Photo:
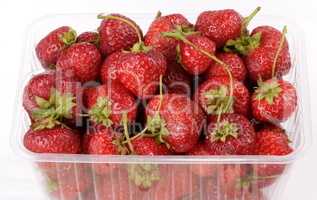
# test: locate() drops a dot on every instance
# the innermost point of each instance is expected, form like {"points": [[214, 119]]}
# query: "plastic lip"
{"points": [[304, 112]]}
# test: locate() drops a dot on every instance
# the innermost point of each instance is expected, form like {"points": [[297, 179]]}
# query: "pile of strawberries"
{"points": [[212, 88]]}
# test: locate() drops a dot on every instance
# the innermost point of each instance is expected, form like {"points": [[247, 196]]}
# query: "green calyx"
{"points": [[140, 47], [244, 44], [69, 37], [144, 175], [101, 111], [268, 91], [53, 111], [180, 32], [218, 101], [157, 126], [223, 130], [122, 149]]}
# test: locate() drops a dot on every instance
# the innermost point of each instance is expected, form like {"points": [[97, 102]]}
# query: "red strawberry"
{"points": [[271, 141], [139, 70], [174, 121], [203, 170], [55, 140], [214, 96], [70, 187], [274, 101], [148, 146], [90, 37], [109, 69], [260, 60], [192, 59], [223, 25], [104, 141], [220, 26], [162, 24], [106, 103], [50, 98], [117, 32], [176, 80], [81, 59], [237, 67], [232, 135], [50, 47]]}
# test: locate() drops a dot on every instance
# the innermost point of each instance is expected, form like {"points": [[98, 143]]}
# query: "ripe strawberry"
{"points": [[274, 101], [106, 103], [271, 141], [223, 25], [109, 69], [213, 96], [260, 60], [233, 134], [104, 141], [202, 170], [117, 32], [174, 120], [50, 98], [192, 59], [139, 70], [50, 47], [70, 187], [90, 37], [148, 146], [237, 67], [81, 59], [176, 80], [55, 140], [220, 26], [162, 24]]}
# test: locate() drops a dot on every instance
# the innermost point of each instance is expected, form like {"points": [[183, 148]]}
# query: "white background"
{"points": [[16, 179]]}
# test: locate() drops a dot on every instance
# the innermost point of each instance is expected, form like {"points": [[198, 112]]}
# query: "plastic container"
{"points": [[77, 173]]}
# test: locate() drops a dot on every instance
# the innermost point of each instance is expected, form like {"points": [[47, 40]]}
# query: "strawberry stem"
{"points": [[128, 22], [247, 20], [158, 14], [141, 134], [279, 50], [126, 131]]}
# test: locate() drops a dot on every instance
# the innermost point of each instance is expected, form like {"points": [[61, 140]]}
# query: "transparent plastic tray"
{"points": [[298, 126]]}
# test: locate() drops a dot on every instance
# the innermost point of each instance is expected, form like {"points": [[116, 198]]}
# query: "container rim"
{"points": [[305, 132]]}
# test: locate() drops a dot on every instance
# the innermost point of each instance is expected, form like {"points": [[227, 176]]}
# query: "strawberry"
{"points": [[109, 69], [106, 103], [266, 52], [81, 59], [223, 25], [202, 170], [220, 26], [214, 97], [162, 24], [90, 37], [70, 187], [117, 32], [50, 47], [237, 67], [140, 69], [148, 146], [54, 140], [233, 134], [271, 141], [104, 141], [176, 80], [173, 119], [274, 101], [50, 98]]}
